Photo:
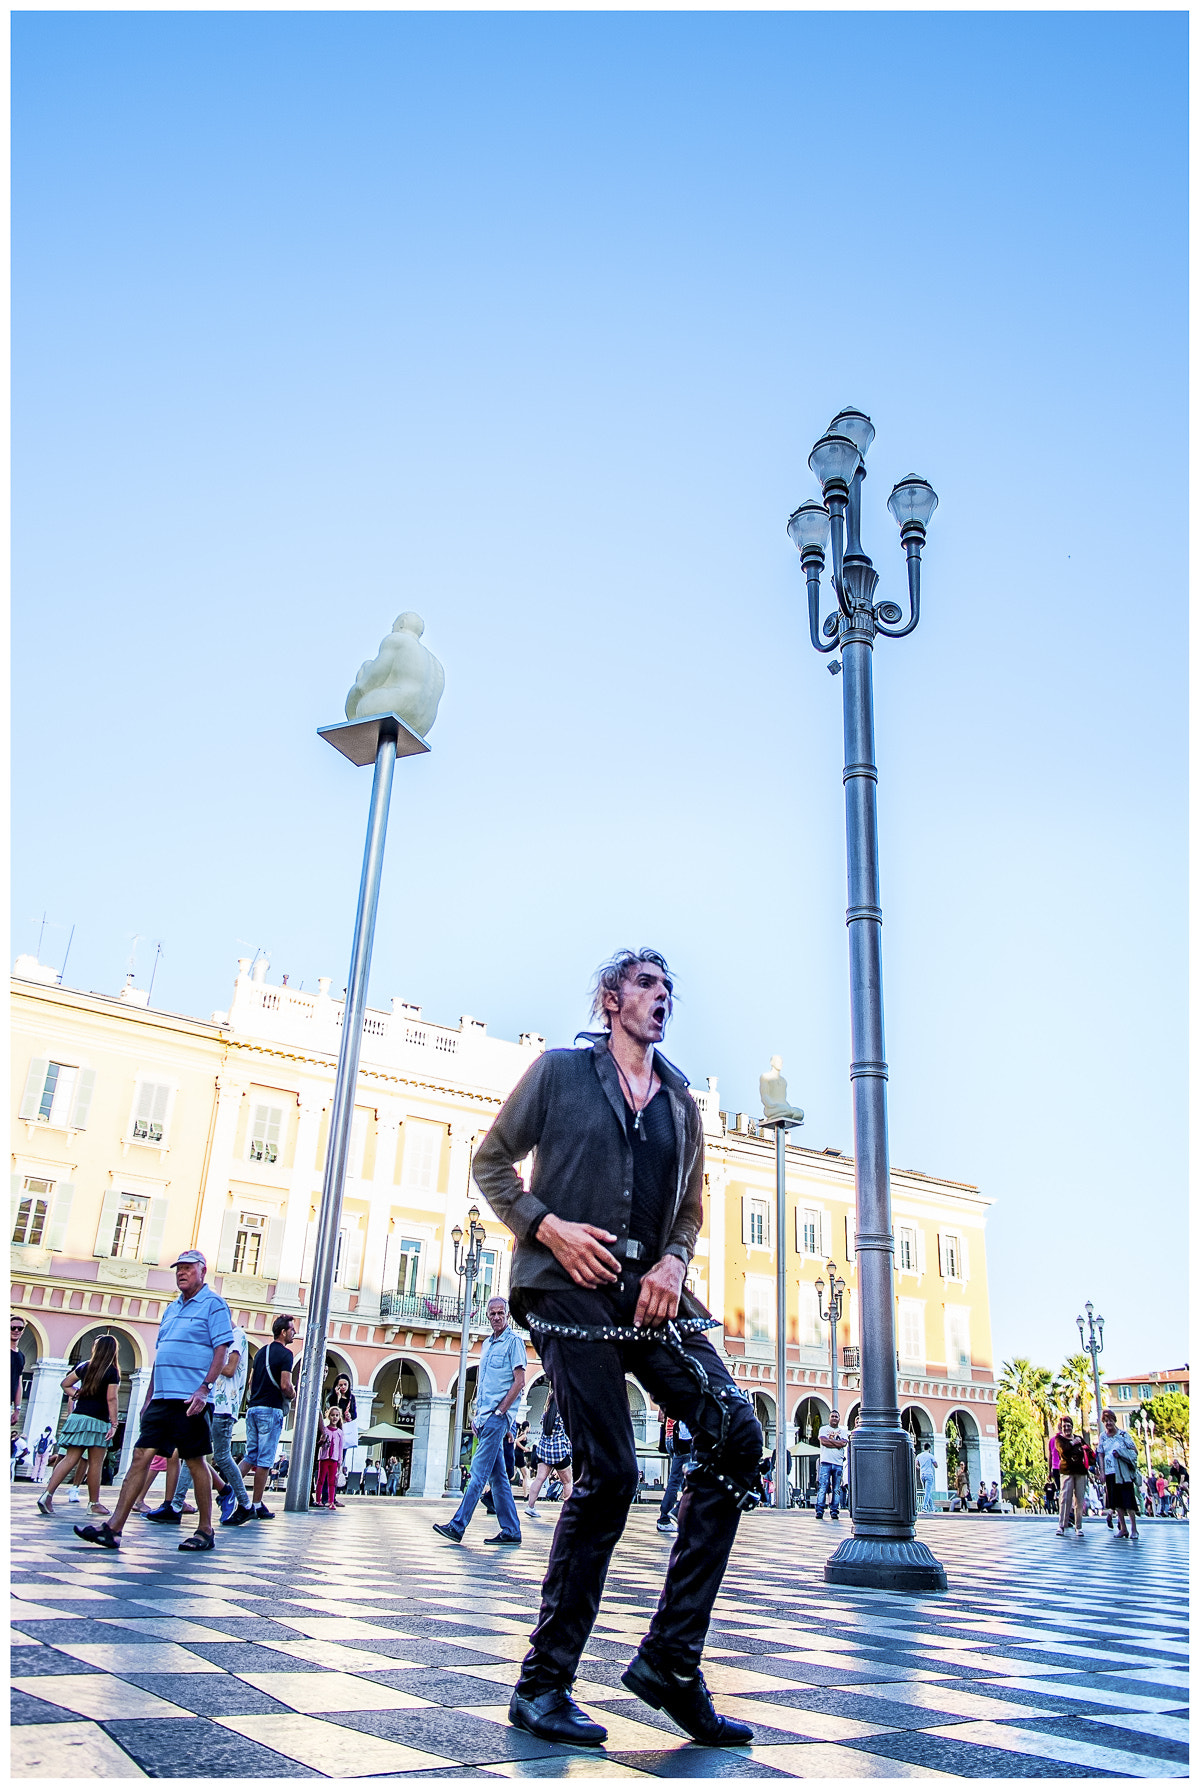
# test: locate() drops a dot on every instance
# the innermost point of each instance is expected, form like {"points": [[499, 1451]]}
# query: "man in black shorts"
{"points": [[192, 1339], [604, 1238]]}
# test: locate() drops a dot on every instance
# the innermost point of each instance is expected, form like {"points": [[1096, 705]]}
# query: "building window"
{"points": [[756, 1223], [485, 1284], [127, 1233], [912, 1332], [951, 1257], [247, 1246], [810, 1233], [958, 1339], [32, 1212], [422, 1155], [809, 1328], [150, 1112], [906, 1251], [759, 1314], [264, 1135], [408, 1283]]}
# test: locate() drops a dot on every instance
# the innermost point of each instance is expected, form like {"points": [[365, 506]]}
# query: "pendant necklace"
{"points": [[637, 1110]]}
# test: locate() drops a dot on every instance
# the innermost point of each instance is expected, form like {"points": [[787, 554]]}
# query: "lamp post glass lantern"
{"points": [[833, 1317], [466, 1266], [883, 1551]]}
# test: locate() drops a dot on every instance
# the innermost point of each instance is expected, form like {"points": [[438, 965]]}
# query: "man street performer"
{"points": [[604, 1237]]}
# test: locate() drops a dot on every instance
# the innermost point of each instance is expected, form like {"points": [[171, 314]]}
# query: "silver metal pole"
{"points": [[1094, 1351], [312, 1373], [781, 1302], [833, 1323], [883, 1550], [460, 1399]]}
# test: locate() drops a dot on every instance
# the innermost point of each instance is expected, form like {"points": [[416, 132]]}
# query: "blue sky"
{"points": [[528, 322]]}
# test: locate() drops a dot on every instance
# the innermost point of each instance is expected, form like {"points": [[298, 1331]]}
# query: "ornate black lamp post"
{"points": [[1094, 1346], [466, 1266], [833, 1317], [883, 1550]]}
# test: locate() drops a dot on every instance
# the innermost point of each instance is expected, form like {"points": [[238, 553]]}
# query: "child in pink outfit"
{"points": [[329, 1458]]}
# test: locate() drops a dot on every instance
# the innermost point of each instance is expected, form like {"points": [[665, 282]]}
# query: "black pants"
{"points": [[589, 1383]]}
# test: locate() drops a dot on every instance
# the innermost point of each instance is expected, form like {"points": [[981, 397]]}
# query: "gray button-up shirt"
{"points": [[569, 1110]]}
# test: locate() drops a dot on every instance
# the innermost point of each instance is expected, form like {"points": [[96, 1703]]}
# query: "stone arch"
{"points": [[765, 1409], [34, 1343], [919, 1424], [853, 1414], [961, 1431], [131, 1356], [808, 1416]]}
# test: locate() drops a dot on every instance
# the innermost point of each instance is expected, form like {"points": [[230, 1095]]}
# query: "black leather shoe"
{"points": [[688, 1703], [165, 1513], [555, 1716], [501, 1540]]}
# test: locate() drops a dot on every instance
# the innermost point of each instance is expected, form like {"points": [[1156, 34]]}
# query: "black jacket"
{"points": [[569, 1110]]}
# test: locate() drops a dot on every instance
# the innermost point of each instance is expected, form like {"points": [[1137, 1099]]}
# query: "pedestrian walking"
{"points": [[927, 1466], [1071, 1452], [499, 1382], [396, 1476], [16, 1329], [679, 1447], [832, 1440], [41, 1451], [271, 1390], [235, 1505], [553, 1456], [329, 1459], [526, 1461], [962, 1487], [1118, 1451], [1160, 1486], [20, 1453], [91, 1424], [193, 1337], [605, 1234]]}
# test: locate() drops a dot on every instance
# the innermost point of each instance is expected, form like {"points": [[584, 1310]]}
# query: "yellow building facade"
{"points": [[137, 1133]]}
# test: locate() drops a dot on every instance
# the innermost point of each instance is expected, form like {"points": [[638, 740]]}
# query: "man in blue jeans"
{"points": [[680, 1442], [832, 1441], [499, 1384], [271, 1390]]}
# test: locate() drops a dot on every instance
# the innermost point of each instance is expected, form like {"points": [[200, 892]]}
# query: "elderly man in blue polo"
{"points": [[192, 1340]]}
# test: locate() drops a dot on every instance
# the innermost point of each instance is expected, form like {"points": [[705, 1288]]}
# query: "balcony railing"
{"points": [[435, 1309], [850, 1360]]}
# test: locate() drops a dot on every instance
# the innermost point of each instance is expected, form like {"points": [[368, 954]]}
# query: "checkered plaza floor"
{"points": [[359, 1644]]}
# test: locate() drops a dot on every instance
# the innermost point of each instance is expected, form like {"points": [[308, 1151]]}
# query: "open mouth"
{"points": [[660, 1014]]}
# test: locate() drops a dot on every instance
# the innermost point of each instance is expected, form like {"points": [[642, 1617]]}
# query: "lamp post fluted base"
{"points": [[872, 1564]]}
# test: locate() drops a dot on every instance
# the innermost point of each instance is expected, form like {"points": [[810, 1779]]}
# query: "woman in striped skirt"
{"points": [[91, 1425]]}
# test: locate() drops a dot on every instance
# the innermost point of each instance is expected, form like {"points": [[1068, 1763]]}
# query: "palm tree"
{"points": [[1038, 1388], [1017, 1377], [1074, 1385]]}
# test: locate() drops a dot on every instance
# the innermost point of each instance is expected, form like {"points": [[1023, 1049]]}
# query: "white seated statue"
{"points": [[772, 1090], [403, 678]]}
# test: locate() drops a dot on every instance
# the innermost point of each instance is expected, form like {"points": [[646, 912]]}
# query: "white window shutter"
{"points": [[769, 1224], [108, 1223], [60, 1211], [941, 1254], [391, 1263], [152, 1244], [158, 1107], [746, 1219], [964, 1260], [850, 1223], [228, 1242], [272, 1251], [35, 1084], [16, 1182], [352, 1264], [920, 1250], [310, 1253], [826, 1235], [82, 1103]]}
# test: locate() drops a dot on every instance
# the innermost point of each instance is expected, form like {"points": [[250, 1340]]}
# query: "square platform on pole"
{"points": [[359, 740]]}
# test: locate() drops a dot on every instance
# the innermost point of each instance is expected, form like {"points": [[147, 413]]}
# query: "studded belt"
{"points": [[668, 1332]]}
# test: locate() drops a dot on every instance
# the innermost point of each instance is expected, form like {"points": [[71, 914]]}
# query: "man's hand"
{"points": [[658, 1300], [197, 1401], [580, 1249]]}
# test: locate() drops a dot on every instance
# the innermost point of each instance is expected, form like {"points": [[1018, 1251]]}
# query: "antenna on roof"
{"points": [[41, 931], [154, 971], [66, 954]]}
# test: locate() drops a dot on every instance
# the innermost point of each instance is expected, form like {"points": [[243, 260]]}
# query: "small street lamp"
{"points": [[466, 1266], [883, 1552], [833, 1317], [1095, 1347]]}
